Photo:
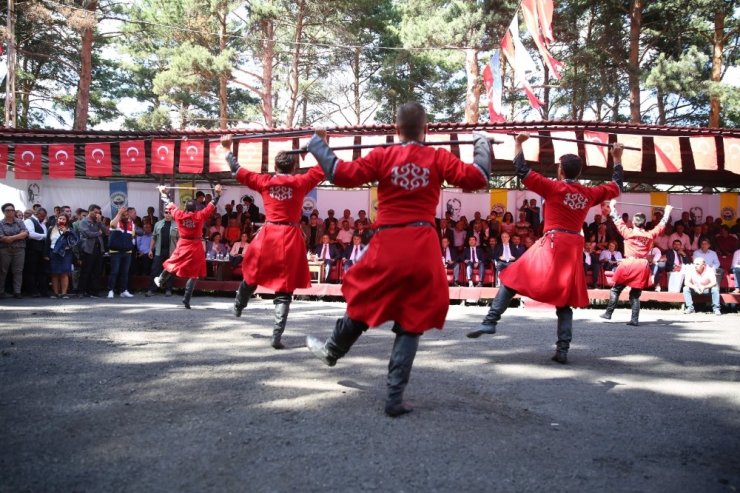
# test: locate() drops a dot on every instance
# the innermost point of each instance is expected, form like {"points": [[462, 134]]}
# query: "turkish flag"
{"points": [[27, 160], [163, 157], [3, 161], [596, 155], [191, 156], [667, 154], [62, 161], [133, 159], [217, 156], [704, 150], [732, 155], [98, 160]]}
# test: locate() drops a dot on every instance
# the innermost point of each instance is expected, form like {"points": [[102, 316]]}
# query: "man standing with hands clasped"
{"points": [[551, 271]]}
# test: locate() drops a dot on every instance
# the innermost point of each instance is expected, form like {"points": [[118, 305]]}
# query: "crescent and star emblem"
{"points": [[29, 161], [191, 154], [128, 153], [166, 152], [61, 160], [95, 151]]}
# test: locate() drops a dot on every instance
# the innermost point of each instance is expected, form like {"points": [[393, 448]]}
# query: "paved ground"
{"points": [[142, 395]]}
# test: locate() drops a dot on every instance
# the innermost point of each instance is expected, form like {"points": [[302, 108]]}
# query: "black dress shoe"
{"points": [[605, 316], [397, 410], [18, 296], [560, 357], [186, 304], [484, 329], [634, 324]]}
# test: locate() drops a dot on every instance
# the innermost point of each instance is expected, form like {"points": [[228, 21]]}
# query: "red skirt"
{"points": [[400, 278], [633, 272], [276, 259], [551, 271], [188, 260]]}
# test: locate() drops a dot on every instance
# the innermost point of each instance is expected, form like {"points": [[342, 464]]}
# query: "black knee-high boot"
{"points": [[635, 305], [346, 332], [189, 287], [282, 307], [613, 298], [243, 294], [161, 279], [498, 306], [565, 334], [399, 370]]}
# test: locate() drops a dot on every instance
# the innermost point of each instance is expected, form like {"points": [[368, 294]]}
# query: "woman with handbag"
{"points": [[61, 239]]}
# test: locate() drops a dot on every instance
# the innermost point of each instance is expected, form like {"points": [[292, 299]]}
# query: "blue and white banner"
{"points": [[309, 202], [118, 196]]}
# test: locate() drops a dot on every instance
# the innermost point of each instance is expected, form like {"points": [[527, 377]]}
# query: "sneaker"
{"points": [[717, 311], [110, 294], [65, 296], [736, 291], [470, 284], [657, 289], [126, 294], [53, 296], [168, 293], [158, 282], [149, 294], [687, 311]]}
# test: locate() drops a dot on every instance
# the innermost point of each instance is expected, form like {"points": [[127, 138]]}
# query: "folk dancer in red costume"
{"points": [[634, 270], [189, 258], [276, 257], [555, 260], [399, 277]]}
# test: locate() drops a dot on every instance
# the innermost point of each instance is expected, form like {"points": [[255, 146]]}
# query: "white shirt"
{"points": [[736, 260], [507, 252], [355, 253], [31, 227], [706, 279], [710, 257], [447, 257], [325, 252], [473, 255]]}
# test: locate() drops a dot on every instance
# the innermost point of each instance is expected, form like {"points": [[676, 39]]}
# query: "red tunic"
{"points": [[634, 270], [551, 270], [400, 277], [189, 258], [276, 257]]}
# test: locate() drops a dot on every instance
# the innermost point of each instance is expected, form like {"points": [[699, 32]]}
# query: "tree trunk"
{"points": [[223, 98], [356, 86], [293, 79], [660, 97], [472, 95], [634, 60], [717, 49], [183, 116], [268, 54], [83, 88]]}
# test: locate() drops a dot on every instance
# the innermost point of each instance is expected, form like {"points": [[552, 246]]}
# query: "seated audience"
{"points": [[736, 270], [344, 237], [327, 253], [474, 258], [701, 279], [450, 260], [504, 254], [676, 257], [236, 255], [215, 248], [610, 257], [591, 263], [353, 252], [725, 242]]}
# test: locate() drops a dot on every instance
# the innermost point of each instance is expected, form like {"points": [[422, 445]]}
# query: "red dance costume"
{"points": [[551, 270], [189, 258], [276, 257], [400, 276], [634, 270]]}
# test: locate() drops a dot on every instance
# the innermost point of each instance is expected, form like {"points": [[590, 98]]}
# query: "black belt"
{"points": [[562, 231], [282, 223], [413, 224]]}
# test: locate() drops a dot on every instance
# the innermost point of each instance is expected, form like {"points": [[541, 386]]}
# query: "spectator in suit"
{"points": [[444, 231], [657, 216], [610, 257], [535, 219], [251, 209], [328, 253], [150, 217], [313, 232], [516, 246], [450, 260], [476, 231], [676, 258], [594, 226], [591, 262], [330, 218], [503, 254], [364, 231], [602, 239], [353, 252], [474, 258]]}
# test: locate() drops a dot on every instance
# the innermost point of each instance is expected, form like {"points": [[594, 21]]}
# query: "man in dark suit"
{"points": [[676, 257], [517, 248], [444, 230], [474, 258], [591, 262], [328, 253], [450, 260], [353, 252], [688, 224]]}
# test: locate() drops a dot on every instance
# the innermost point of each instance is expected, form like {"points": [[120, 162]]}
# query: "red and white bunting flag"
{"points": [[493, 84], [704, 150], [342, 141], [276, 146], [3, 161], [596, 155], [631, 160], [163, 157], [562, 147], [62, 161], [27, 161], [250, 155], [217, 158], [191, 156], [732, 154], [544, 15], [133, 157], [521, 61], [529, 10], [98, 160], [667, 154], [375, 140]]}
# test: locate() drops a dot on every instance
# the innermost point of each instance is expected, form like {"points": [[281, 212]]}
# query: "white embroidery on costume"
{"points": [[575, 201], [410, 176], [281, 193]]}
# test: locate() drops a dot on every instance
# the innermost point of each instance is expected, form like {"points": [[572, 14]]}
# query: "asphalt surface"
{"points": [[143, 395]]}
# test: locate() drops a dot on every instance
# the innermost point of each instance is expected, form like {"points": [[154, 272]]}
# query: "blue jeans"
{"points": [[687, 292], [120, 263], [736, 271]]}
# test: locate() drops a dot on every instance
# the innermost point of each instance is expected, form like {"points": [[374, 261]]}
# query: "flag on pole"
{"points": [[520, 60], [544, 15], [493, 84], [529, 11]]}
